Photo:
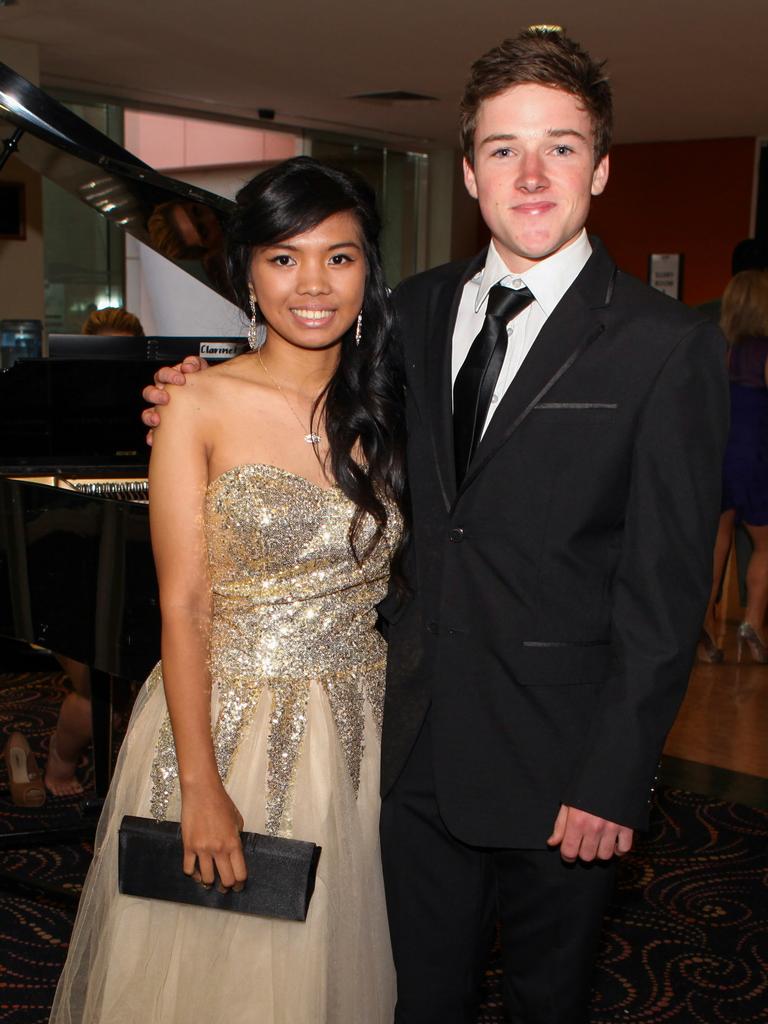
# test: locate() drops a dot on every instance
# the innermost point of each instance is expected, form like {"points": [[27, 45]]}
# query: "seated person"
{"points": [[113, 321]]}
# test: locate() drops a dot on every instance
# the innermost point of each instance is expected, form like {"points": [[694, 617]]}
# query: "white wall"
{"points": [[168, 301]]}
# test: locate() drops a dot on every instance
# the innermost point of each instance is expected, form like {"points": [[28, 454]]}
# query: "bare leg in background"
{"points": [[72, 733]]}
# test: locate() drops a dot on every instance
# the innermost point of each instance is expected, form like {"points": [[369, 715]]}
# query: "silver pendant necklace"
{"points": [[311, 437]]}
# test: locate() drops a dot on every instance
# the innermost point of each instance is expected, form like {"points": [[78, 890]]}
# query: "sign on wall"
{"points": [[665, 273]]}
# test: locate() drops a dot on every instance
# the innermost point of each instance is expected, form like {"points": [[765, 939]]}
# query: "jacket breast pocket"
{"points": [[574, 413], [562, 663]]}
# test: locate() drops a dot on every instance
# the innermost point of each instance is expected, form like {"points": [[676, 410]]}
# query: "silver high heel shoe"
{"points": [[747, 634], [708, 649]]}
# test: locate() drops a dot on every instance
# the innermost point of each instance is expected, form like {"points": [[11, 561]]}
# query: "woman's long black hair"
{"points": [[364, 401]]}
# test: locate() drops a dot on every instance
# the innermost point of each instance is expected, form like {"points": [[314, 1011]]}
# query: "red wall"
{"points": [[689, 197]]}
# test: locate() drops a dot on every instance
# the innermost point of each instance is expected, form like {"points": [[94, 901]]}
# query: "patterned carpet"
{"points": [[686, 939], [34, 926]]}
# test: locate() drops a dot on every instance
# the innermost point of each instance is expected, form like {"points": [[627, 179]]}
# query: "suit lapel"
{"points": [[441, 321], [573, 326]]}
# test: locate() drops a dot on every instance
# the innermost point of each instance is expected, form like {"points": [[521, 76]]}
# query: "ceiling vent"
{"points": [[394, 96]]}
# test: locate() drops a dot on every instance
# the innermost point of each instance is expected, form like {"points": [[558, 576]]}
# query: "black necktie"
{"points": [[473, 389]]}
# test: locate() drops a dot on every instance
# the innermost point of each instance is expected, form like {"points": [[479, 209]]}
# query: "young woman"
{"points": [[275, 488], [744, 321]]}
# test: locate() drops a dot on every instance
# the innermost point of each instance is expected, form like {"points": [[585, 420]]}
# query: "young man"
{"points": [[566, 430], [565, 474]]}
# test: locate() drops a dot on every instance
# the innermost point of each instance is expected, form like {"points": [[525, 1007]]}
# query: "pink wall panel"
{"points": [[169, 143]]}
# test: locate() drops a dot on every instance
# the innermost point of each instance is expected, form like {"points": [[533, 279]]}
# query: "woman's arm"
{"points": [[178, 476]]}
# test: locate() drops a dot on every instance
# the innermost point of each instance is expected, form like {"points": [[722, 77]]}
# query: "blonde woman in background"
{"points": [[744, 320], [113, 321]]}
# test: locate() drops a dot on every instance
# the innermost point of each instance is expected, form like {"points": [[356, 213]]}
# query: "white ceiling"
{"points": [[681, 69]]}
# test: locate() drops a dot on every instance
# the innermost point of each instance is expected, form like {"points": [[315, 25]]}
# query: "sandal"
{"points": [[25, 779]]}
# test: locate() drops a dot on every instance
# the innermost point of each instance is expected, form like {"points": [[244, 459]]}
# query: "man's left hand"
{"points": [[583, 836]]}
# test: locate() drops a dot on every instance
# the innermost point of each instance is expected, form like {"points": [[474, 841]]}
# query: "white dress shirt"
{"points": [[548, 281]]}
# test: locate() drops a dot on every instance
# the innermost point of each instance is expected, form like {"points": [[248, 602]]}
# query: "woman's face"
{"points": [[310, 287]]}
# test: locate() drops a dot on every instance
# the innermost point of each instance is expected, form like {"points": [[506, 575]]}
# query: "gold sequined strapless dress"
{"points": [[298, 679]]}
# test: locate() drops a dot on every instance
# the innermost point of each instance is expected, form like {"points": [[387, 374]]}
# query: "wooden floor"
{"points": [[719, 742], [724, 718]]}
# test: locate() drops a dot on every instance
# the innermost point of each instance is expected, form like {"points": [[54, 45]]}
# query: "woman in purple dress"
{"points": [[744, 320]]}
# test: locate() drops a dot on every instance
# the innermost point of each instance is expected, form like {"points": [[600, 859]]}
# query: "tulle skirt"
{"points": [[134, 961]]}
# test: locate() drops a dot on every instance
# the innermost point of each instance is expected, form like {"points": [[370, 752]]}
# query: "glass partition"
{"points": [[400, 182], [84, 253]]}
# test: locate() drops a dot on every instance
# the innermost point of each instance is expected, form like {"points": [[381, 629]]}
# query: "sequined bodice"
{"points": [[291, 608], [289, 597]]}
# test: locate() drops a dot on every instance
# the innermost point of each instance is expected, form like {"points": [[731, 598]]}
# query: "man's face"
{"points": [[534, 171]]}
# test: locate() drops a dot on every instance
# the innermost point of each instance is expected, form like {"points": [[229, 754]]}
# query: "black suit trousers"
{"points": [[444, 900]]}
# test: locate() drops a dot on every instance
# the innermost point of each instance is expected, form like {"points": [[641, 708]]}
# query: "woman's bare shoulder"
{"points": [[210, 385], [209, 403], [194, 402], [239, 367]]}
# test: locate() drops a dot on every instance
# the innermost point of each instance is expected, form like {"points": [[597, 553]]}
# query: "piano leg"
{"points": [[102, 685]]}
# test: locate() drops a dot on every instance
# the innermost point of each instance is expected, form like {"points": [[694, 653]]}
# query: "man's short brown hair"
{"points": [[542, 56]]}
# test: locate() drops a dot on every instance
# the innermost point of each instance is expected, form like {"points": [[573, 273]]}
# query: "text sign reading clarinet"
{"points": [[220, 349]]}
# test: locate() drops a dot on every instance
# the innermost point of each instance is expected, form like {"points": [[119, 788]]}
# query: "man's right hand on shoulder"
{"points": [[155, 394]]}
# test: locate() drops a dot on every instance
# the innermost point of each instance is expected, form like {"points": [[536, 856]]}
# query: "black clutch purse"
{"points": [[281, 872]]}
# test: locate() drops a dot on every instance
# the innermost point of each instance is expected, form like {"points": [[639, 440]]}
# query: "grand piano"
{"points": [[76, 571]]}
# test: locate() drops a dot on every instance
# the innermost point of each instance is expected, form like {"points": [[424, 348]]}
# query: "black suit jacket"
{"points": [[559, 591]]}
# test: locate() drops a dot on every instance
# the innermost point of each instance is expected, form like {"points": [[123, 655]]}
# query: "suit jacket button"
{"points": [[432, 628], [456, 536]]}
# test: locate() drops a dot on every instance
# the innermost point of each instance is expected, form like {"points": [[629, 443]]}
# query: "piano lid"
{"points": [[181, 222]]}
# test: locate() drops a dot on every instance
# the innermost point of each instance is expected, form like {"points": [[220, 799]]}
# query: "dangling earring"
{"points": [[359, 328], [257, 333]]}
